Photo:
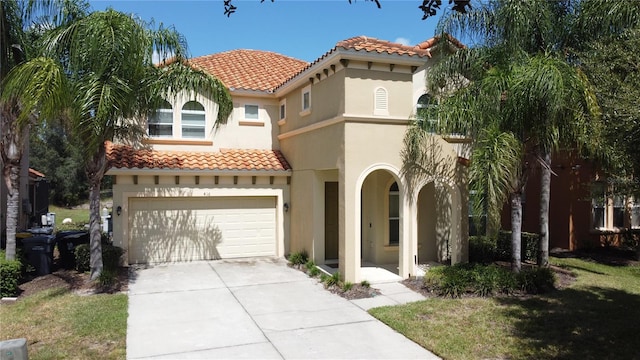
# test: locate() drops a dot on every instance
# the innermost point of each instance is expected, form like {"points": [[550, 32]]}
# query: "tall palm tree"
{"points": [[540, 97], [99, 73], [21, 24]]}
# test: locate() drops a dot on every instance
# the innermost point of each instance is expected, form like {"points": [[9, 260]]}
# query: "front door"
{"points": [[331, 220]]}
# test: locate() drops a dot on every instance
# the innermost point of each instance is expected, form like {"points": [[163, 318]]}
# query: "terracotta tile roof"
{"points": [[250, 69], [36, 173], [427, 44], [369, 44], [126, 157], [373, 45]]}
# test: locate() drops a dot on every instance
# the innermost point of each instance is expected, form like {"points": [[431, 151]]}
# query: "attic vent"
{"points": [[381, 102]]}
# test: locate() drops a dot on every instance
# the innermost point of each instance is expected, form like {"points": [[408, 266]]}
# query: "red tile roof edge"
{"points": [[126, 157]]}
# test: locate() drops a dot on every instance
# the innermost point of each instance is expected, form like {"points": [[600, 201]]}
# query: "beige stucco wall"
{"points": [[361, 83], [237, 133]]}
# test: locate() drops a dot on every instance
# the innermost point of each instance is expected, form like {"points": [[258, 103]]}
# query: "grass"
{"points": [[79, 216], [595, 318], [60, 325]]}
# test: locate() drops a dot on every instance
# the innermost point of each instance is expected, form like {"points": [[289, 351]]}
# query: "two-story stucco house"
{"points": [[310, 159]]}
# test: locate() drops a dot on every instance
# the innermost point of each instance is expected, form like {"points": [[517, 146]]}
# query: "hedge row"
{"points": [[10, 275], [484, 249]]}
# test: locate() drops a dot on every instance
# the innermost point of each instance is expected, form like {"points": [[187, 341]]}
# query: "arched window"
{"points": [[381, 102], [193, 120], [394, 214], [161, 122], [427, 112]]}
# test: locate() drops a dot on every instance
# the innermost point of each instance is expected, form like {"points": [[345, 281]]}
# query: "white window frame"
{"points": [[282, 112], [380, 101], [305, 110], [393, 193], [635, 213], [202, 112], [596, 205], [163, 111], [257, 115]]}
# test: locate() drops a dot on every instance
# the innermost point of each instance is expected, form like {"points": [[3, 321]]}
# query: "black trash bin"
{"points": [[39, 252], [67, 242]]}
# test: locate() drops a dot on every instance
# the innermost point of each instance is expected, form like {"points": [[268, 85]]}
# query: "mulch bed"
{"points": [[357, 291]]}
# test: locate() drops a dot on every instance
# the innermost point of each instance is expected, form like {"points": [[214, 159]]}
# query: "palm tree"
{"points": [[21, 24], [100, 75], [523, 73]]}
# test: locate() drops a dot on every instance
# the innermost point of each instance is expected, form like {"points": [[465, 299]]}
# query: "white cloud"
{"points": [[403, 41]]}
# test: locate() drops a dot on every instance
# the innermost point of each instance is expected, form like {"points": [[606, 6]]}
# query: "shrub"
{"points": [[111, 256], [309, 265], [83, 258], [482, 249], [347, 286], [10, 275], [298, 258], [314, 271], [334, 279], [529, 248], [107, 278], [536, 281], [324, 277], [365, 283]]}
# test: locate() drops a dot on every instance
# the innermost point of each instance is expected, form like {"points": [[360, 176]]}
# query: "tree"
{"points": [[98, 72], [613, 66], [428, 7], [524, 71], [20, 25], [55, 152]]}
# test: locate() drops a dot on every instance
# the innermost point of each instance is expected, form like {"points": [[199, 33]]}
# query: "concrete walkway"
{"points": [[253, 309]]}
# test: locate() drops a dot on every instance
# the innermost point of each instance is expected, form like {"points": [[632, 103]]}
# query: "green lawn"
{"points": [[60, 325], [79, 216], [595, 318]]}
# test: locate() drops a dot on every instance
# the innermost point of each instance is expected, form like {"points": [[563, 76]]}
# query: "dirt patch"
{"points": [[73, 281]]}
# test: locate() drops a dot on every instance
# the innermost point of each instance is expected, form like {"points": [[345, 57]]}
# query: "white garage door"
{"points": [[187, 229]]}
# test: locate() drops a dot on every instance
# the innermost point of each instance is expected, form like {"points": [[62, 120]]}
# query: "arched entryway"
{"points": [[380, 223]]}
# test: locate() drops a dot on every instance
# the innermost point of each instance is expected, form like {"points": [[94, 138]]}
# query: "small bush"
{"points": [[347, 286], [536, 281], [324, 277], [83, 258], [365, 283], [10, 275], [111, 257], [314, 271], [107, 278], [529, 248], [334, 279], [298, 258], [482, 249], [309, 265]]}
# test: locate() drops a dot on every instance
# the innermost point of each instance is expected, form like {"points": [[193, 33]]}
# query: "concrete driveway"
{"points": [[250, 309]]}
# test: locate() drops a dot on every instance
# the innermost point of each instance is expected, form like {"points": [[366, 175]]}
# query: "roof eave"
{"points": [[341, 53], [194, 172]]}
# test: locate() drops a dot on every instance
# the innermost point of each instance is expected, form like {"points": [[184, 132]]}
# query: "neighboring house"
{"points": [[584, 211], [309, 160]]}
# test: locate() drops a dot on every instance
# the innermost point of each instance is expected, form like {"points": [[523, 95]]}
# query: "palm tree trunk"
{"points": [[12, 177], [545, 195], [516, 230], [95, 169], [11, 151]]}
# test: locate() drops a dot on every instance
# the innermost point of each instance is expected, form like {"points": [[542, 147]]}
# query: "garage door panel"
{"points": [[177, 229]]}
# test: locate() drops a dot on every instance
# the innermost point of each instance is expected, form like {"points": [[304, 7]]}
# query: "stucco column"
{"points": [[350, 232], [456, 239], [408, 239]]}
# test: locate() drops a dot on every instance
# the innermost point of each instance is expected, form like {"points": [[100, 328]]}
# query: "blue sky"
{"points": [[303, 29]]}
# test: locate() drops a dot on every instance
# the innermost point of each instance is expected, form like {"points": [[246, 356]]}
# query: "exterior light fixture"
{"points": [[119, 210], [286, 207]]}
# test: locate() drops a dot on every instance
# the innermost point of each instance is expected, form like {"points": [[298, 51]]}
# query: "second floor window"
{"points": [[251, 112], [161, 123], [193, 120], [426, 112]]}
